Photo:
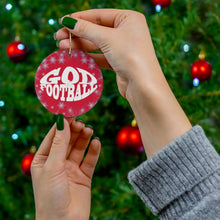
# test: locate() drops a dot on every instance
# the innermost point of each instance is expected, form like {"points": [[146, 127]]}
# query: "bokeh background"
{"points": [[180, 33]]}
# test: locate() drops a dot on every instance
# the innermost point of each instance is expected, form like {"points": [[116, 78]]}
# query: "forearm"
{"points": [[159, 116]]}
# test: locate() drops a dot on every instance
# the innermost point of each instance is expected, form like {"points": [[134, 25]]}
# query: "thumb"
{"points": [[60, 142], [85, 29]]}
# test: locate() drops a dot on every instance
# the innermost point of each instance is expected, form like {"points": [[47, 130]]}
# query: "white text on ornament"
{"points": [[72, 85]]}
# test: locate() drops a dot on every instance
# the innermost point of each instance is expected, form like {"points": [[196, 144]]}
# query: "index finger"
{"points": [[45, 146], [105, 17]]}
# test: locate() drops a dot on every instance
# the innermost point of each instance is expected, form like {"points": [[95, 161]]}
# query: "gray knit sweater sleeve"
{"points": [[182, 181]]}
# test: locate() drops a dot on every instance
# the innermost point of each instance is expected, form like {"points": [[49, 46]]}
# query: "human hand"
{"points": [[121, 35], [61, 178], [125, 42]]}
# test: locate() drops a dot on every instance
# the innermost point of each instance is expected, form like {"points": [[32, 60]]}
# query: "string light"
{"points": [[14, 136], [8, 6], [21, 46], [186, 48], [195, 82], [158, 8], [51, 21], [2, 103]]}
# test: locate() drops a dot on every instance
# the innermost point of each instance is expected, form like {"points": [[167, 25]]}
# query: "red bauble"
{"points": [[17, 51], [26, 164], [202, 70], [129, 140], [162, 3]]}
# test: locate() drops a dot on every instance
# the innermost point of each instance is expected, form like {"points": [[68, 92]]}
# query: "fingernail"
{"points": [[57, 44], [79, 119], [60, 122], [54, 36], [97, 138], [90, 126], [69, 22]]}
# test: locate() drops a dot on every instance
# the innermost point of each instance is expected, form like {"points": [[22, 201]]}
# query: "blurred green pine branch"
{"points": [[193, 22]]}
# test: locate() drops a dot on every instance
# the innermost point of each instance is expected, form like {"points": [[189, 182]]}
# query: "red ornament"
{"points": [[68, 84], [202, 70], [17, 51], [162, 3], [26, 164], [129, 140]]}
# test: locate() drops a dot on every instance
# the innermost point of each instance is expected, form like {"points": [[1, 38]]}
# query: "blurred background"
{"points": [[186, 37]]}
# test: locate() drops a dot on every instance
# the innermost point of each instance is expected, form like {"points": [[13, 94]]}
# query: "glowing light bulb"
{"points": [[195, 82], [8, 6], [21, 46], [2, 103], [51, 21], [158, 8], [14, 136], [186, 48]]}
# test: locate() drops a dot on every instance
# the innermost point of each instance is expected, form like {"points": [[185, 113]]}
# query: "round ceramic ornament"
{"points": [[68, 83]]}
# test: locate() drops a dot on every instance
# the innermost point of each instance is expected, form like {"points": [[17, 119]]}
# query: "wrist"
{"points": [[147, 80], [158, 113], [143, 74]]}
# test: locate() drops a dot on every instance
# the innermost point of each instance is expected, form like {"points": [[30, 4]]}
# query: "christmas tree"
{"points": [[183, 32]]}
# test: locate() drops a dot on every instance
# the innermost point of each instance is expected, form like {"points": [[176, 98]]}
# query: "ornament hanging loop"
{"points": [[70, 38], [202, 55]]}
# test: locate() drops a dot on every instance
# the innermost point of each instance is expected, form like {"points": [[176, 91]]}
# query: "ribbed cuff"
{"points": [[178, 176]]}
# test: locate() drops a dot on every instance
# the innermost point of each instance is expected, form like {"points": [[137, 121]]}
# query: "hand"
{"points": [[61, 178], [121, 35], [124, 39]]}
